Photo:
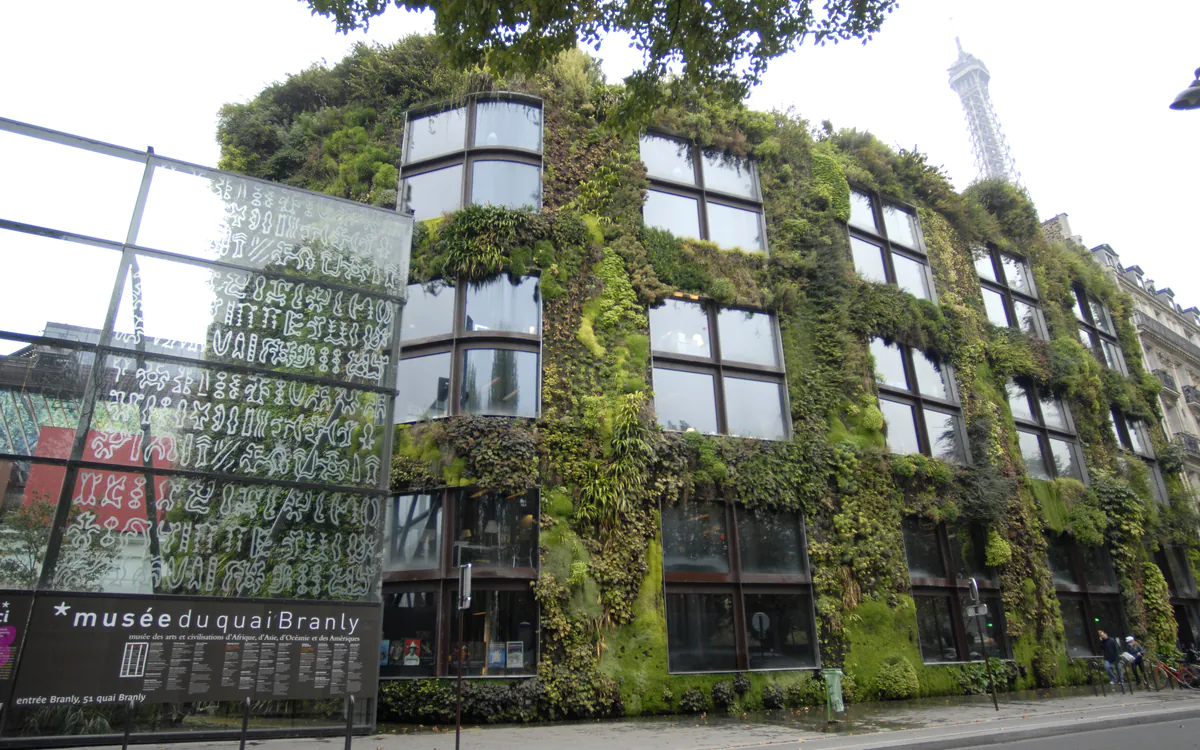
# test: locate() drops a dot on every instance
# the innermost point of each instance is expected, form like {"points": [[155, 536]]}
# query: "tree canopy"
{"points": [[723, 46]]}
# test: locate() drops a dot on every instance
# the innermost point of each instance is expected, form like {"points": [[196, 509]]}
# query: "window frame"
{"points": [[1044, 432], [442, 580], [922, 403], [888, 248], [720, 368], [738, 585], [702, 194], [460, 340], [1096, 335], [1010, 295], [1187, 600], [1124, 428], [469, 154], [1090, 595]]}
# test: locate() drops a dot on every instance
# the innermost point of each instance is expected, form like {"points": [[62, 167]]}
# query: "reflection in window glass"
{"points": [[729, 174], [1054, 412], [910, 276], [900, 426], [770, 542], [700, 633], [1031, 453], [1078, 309], [889, 364], [1100, 315], [668, 159], [409, 645], [1097, 567], [901, 226], [415, 536], [694, 538], [993, 630], [984, 267], [1106, 616], [436, 134], [500, 634], [685, 401], [993, 304], [868, 260], [747, 337], [923, 550], [1181, 571], [506, 183], [1027, 318], [1019, 403], [1058, 557], [508, 124], [779, 631], [500, 382], [861, 213], [500, 304], [731, 227], [1016, 273], [680, 327], [967, 552], [1075, 628], [754, 408], [677, 214], [431, 194], [931, 377], [943, 436], [424, 387], [1112, 356], [935, 629], [497, 531], [1134, 428], [428, 311], [1066, 463]]}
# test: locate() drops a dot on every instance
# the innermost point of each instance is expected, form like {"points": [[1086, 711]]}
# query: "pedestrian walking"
{"points": [[1136, 658], [1112, 658]]}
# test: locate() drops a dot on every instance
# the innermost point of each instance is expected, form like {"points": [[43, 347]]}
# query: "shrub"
{"points": [[897, 679], [772, 696], [693, 701], [723, 695], [741, 684]]}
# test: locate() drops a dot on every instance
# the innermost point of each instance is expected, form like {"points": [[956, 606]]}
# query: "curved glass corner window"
{"points": [[729, 174], [668, 159], [436, 134], [901, 226], [862, 213], [754, 408], [931, 376], [424, 387], [700, 633], [428, 311], [889, 364], [415, 533], [911, 276], [695, 539], [677, 214], [512, 124], [942, 430], [1031, 453], [506, 183], [779, 633], [771, 542], [431, 194], [501, 304], [500, 382], [901, 427], [993, 303], [680, 327], [748, 337], [731, 228], [868, 260], [685, 401]]}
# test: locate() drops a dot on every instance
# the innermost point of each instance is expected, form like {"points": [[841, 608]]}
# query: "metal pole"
{"points": [[245, 721], [458, 697], [128, 725], [349, 720], [987, 663]]}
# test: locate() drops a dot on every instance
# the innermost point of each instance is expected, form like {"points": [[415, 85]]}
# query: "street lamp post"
{"points": [[1189, 98]]}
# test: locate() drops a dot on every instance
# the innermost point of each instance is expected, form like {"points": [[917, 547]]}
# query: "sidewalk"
{"points": [[929, 724]]}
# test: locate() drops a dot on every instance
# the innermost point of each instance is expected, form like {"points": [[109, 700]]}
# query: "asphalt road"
{"points": [[1168, 735]]}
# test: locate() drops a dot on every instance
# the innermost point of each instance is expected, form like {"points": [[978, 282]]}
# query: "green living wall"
{"points": [[604, 466]]}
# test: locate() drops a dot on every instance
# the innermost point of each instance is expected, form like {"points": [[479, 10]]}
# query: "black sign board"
{"points": [[85, 650]]}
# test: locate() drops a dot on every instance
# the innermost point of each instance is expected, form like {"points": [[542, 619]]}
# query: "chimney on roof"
{"points": [[1058, 229]]}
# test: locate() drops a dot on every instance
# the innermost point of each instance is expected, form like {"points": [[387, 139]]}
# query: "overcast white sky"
{"points": [[1081, 89]]}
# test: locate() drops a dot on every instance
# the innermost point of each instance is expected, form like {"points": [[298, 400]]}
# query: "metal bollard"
{"points": [[128, 725], [245, 721], [349, 720]]}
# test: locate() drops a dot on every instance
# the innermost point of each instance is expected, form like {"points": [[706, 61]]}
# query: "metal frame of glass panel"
{"points": [[1185, 595], [921, 403], [1002, 285], [460, 340], [738, 584], [469, 153], [442, 579], [721, 368], [1044, 432], [878, 236], [702, 194], [1091, 596], [1132, 435]]}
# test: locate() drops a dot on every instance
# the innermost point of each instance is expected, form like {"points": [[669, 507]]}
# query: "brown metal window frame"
{"points": [[720, 368], [887, 247], [738, 585], [1125, 427], [1088, 594], [1188, 600], [704, 195], [443, 580], [954, 587], [950, 406], [1097, 337], [1011, 295], [1044, 432], [470, 153], [460, 341]]}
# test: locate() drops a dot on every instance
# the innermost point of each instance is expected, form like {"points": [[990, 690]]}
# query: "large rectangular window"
{"points": [[1097, 332], [919, 403], [704, 195], [1045, 433], [473, 348], [738, 589], [886, 246], [1088, 594], [1009, 295], [718, 371], [1185, 596]]}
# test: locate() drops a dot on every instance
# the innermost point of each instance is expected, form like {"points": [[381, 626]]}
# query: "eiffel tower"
{"points": [[969, 77]]}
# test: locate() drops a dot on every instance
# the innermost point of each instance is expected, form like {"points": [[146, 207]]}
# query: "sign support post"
{"points": [[980, 611], [464, 603]]}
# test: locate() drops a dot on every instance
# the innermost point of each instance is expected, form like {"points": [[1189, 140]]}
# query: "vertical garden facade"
{"points": [[712, 398]]}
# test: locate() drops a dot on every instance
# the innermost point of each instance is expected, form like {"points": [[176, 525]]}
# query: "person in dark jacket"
{"points": [[1111, 651], [1138, 665]]}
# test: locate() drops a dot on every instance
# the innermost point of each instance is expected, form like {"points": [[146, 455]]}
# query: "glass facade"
{"points": [[894, 255], [919, 403]]}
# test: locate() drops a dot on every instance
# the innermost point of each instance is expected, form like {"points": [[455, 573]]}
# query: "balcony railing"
{"points": [[1191, 394], [1191, 444], [1168, 381], [1159, 330]]}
